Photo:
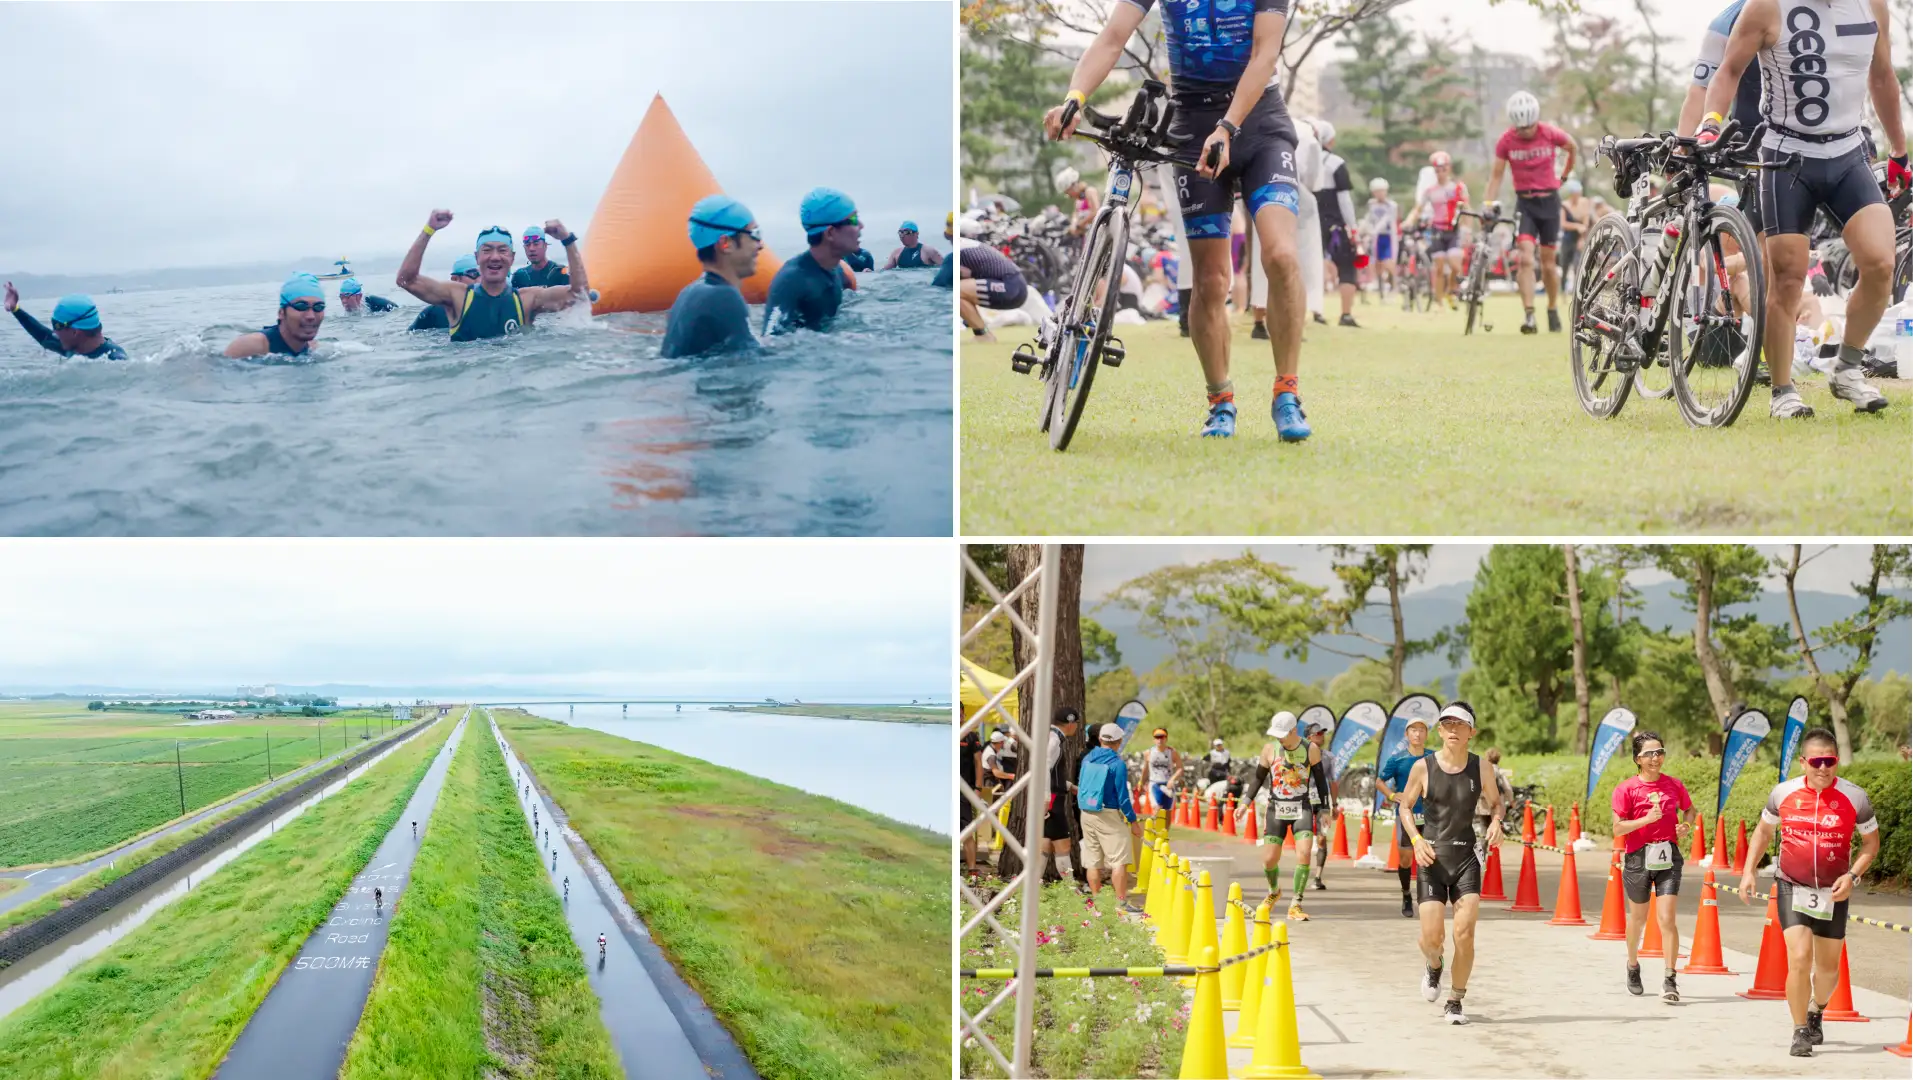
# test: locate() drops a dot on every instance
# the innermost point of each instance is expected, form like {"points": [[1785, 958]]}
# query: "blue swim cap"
{"points": [[299, 286], [350, 286], [534, 232], [824, 207], [494, 235], [715, 217], [908, 226], [465, 264], [77, 312]]}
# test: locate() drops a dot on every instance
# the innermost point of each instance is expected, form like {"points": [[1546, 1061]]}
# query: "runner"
{"points": [[77, 330], [1393, 780], [1840, 53], [1817, 814], [1439, 208], [1382, 229], [1453, 780], [1335, 212], [1528, 150], [1164, 765], [1232, 132], [1284, 765], [1653, 815], [1320, 799], [494, 307]]}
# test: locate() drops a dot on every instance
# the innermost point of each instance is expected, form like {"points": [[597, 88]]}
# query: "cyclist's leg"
{"points": [[1205, 213], [972, 311], [1528, 226], [1788, 201], [1281, 262], [1547, 239], [1870, 239]]}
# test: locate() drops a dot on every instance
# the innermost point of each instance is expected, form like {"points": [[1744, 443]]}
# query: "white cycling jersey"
{"points": [[1814, 76]]}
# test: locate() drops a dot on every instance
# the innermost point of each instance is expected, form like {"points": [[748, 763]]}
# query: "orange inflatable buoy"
{"points": [[850, 279], [638, 253]]}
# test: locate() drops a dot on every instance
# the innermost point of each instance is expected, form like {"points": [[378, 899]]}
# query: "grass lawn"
{"points": [[817, 932], [170, 998], [1420, 431], [480, 976], [893, 714]]}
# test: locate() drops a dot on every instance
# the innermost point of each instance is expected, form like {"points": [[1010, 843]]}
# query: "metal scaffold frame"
{"points": [[1034, 783]]}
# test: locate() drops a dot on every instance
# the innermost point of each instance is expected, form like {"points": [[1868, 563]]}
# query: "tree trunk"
{"points": [[1580, 652], [1836, 694], [1547, 699], [1066, 684], [1720, 689], [1398, 651]]}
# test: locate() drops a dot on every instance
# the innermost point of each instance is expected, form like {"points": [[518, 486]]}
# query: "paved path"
{"points": [[302, 1028], [1544, 1000], [661, 1027]]}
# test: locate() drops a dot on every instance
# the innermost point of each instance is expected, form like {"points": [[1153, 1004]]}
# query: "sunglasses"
{"points": [[306, 305], [851, 220], [1652, 753], [1822, 762], [534, 239]]}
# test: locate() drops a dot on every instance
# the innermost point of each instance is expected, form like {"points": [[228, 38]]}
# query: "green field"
{"points": [[818, 933], [169, 998], [1418, 430], [479, 955], [74, 782], [889, 714]]}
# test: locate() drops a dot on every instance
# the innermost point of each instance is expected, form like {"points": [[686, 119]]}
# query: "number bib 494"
{"points": [[1283, 811]]}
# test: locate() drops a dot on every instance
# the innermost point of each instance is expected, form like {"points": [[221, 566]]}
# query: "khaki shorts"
{"points": [[1105, 840]]}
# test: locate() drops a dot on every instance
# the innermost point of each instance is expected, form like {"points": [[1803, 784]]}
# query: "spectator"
{"points": [[1109, 816], [1059, 825], [970, 765]]}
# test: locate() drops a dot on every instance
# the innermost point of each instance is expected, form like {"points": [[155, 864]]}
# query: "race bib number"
{"points": [[1817, 903], [1286, 811], [1660, 855]]}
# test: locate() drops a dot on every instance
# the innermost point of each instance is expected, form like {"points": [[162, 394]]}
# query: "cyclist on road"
{"points": [[567, 886], [1284, 765], [1222, 65], [1652, 814], [1393, 780], [1839, 54], [1528, 150], [1164, 763], [378, 897], [601, 946], [1817, 814], [415, 830], [1439, 208]]}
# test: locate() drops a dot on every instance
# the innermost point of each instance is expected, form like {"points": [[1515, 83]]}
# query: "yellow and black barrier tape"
{"points": [[1168, 971], [1758, 895]]}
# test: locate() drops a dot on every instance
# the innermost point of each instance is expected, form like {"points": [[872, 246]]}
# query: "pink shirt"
{"points": [[1631, 801], [1532, 160]]}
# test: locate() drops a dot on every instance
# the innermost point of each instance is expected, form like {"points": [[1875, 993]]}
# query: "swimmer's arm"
{"points": [[931, 256], [1100, 58], [560, 297], [430, 290], [245, 345], [1885, 85], [48, 339], [1752, 31], [891, 264]]}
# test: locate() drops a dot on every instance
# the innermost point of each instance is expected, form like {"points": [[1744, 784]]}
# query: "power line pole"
{"points": [[180, 771], [268, 755]]}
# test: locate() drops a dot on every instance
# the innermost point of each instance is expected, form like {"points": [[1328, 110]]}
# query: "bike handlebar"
{"points": [[1138, 134]]}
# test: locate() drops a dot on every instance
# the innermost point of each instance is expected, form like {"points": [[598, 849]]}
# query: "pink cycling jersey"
{"points": [[1817, 828], [1531, 160], [1445, 200]]}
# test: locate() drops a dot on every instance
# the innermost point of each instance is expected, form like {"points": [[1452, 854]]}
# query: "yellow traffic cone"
{"points": [[1235, 942], [1152, 899], [1202, 922], [1143, 861], [1175, 945], [1278, 1048], [1251, 1012], [1204, 1056]]}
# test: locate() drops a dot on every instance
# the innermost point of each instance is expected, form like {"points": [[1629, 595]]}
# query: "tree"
{"points": [[1362, 569], [1606, 80], [1617, 561], [1066, 685], [96, 706], [1099, 646], [1108, 692], [1715, 577], [1414, 95], [1520, 631], [1888, 569], [1580, 651]]}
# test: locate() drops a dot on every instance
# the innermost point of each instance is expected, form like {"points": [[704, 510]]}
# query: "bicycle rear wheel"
{"points": [[1609, 290], [1902, 263], [1084, 328], [1477, 284], [1712, 382]]}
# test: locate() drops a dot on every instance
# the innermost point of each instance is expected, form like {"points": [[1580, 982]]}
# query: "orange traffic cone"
{"points": [[1720, 846], [1567, 897], [1527, 824], [1491, 876], [1548, 835], [1208, 814], [1362, 839], [1770, 977], [1574, 822], [1251, 831], [1394, 857], [1651, 937], [1339, 851], [1705, 958], [1700, 839], [1905, 1049], [1840, 1005], [1614, 904], [1288, 842], [1527, 890], [1228, 817], [1740, 849], [1188, 810]]}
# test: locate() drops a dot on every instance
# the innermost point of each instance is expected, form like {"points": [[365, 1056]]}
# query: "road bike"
{"points": [[1075, 341], [1474, 287]]}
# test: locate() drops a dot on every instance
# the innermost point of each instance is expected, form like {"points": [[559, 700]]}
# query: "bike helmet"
{"points": [[1440, 159], [1572, 187], [1067, 178], [1524, 110], [1379, 184]]}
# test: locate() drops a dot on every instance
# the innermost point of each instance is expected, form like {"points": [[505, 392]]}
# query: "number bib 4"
{"points": [[1659, 855], [1817, 903]]}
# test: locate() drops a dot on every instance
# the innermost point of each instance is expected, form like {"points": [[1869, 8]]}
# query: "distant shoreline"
{"points": [[883, 714]]}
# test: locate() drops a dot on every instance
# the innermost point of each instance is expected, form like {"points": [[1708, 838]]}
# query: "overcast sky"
{"points": [[1107, 566], [706, 617], [1513, 26], [142, 136]]}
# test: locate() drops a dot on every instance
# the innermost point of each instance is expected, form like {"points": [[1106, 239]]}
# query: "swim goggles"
{"points": [[306, 305]]}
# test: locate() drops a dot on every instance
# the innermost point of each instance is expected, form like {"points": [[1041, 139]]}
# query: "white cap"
{"points": [[1379, 183], [997, 736], [1461, 711], [1412, 721], [1281, 724], [1324, 132], [1217, 742], [1111, 733]]}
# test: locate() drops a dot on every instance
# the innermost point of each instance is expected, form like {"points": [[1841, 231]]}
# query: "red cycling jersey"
{"points": [[1445, 202], [1817, 828]]}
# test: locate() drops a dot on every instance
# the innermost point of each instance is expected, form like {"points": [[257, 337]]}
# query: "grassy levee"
{"points": [[170, 998], [817, 932], [480, 976]]}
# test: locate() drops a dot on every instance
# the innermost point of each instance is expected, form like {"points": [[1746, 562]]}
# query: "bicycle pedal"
{"points": [[1024, 359], [1113, 353]]}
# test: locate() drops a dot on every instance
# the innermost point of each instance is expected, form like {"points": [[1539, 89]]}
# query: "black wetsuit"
{"points": [[946, 273], [378, 305], [860, 260], [709, 316], [1448, 806], [51, 342], [530, 277], [803, 293], [910, 258], [276, 344], [482, 315], [432, 318]]}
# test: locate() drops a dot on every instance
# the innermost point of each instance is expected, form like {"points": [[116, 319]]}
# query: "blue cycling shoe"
{"points": [[1221, 422], [1290, 423]]}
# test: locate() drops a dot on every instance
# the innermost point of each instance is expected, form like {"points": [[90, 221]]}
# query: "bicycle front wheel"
{"points": [[1713, 381], [1608, 293], [1084, 328], [1477, 284]]}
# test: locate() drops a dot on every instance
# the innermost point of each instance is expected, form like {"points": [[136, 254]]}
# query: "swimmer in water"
{"points": [[438, 316], [493, 307], [76, 328], [946, 272], [710, 315], [809, 288], [301, 310], [355, 300], [860, 260], [541, 271], [913, 253]]}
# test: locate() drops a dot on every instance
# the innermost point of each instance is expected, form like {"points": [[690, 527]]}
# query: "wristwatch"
{"points": [[570, 239], [1225, 125]]}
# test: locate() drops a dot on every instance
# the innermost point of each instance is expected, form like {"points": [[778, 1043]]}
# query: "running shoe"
{"points": [[1317, 316], [1814, 1032], [1671, 993], [1634, 980], [1349, 321], [1452, 1013], [1318, 885], [1290, 422], [1802, 1043], [1527, 323], [1788, 406], [1431, 984], [1554, 321], [1259, 331], [1850, 384], [1408, 907], [1221, 422], [1296, 914]]}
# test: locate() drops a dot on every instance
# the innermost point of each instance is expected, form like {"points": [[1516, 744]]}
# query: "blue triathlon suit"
{"points": [[1395, 773], [530, 277], [709, 316], [51, 342], [805, 293], [1209, 44]]}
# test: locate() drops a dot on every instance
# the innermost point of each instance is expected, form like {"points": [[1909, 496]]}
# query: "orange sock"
{"points": [[1288, 384], [1221, 396]]}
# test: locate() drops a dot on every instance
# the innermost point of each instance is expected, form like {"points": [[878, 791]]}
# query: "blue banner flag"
{"points": [[1743, 738], [1790, 734], [1359, 724], [1129, 718], [1395, 735], [1614, 728]]}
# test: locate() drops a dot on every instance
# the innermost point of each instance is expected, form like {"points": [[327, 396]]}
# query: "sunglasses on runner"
{"points": [[306, 305], [1822, 762], [1652, 753]]}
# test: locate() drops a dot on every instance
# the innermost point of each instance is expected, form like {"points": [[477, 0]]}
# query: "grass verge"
{"points": [[480, 976], [170, 998], [1084, 1027], [817, 932], [1417, 430]]}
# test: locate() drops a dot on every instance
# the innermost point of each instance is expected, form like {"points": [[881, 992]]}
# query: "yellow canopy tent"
{"points": [[974, 699]]}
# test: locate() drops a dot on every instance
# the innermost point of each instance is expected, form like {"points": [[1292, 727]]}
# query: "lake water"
{"points": [[576, 428], [903, 771]]}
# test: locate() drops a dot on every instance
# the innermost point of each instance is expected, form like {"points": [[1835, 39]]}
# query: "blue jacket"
{"points": [[1115, 785]]}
